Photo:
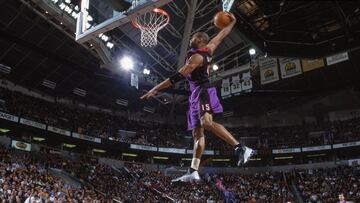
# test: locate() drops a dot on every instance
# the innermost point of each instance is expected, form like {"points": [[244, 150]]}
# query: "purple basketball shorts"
{"points": [[202, 100]]}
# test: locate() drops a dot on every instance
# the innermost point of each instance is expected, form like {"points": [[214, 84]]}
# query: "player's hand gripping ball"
{"points": [[223, 19]]}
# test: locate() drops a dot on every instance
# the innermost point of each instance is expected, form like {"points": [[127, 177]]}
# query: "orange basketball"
{"points": [[222, 19]]}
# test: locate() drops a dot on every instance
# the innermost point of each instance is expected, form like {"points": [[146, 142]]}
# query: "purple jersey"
{"points": [[200, 76], [203, 96]]}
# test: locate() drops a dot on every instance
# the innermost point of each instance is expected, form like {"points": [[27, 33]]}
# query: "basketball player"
{"points": [[203, 101]]}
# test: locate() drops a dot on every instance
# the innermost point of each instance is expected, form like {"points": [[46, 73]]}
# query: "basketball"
{"points": [[222, 19]]}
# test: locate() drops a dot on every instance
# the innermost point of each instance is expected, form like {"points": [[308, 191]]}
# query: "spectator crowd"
{"points": [[26, 177], [111, 126], [24, 180], [324, 185]]}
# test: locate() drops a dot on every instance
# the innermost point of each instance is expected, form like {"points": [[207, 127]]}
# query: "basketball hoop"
{"points": [[150, 24]]}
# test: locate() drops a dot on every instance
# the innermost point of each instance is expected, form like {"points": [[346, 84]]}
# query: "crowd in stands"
{"points": [[24, 180], [324, 185], [25, 177], [109, 125], [132, 183]]}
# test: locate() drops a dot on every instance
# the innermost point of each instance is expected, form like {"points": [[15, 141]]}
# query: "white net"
{"points": [[150, 24]]}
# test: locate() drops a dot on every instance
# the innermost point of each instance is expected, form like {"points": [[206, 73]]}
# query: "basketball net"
{"points": [[150, 24]]}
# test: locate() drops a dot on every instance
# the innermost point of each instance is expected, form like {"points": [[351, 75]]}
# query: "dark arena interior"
{"points": [[130, 101]]}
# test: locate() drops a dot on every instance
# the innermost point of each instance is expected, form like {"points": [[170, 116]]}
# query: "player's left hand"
{"points": [[149, 94], [231, 15]]}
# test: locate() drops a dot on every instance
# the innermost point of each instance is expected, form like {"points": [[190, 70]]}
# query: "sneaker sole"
{"points": [[195, 179], [248, 153]]}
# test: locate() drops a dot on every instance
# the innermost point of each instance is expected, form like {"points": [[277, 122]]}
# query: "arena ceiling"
{"points": [[300, 28], [38, 47]]}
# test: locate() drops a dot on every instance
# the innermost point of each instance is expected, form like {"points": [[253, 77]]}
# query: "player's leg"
{"points": [[243, 152], [219, 130], [199, 147]]}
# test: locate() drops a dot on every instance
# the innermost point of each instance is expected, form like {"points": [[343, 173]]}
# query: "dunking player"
{"points": [[203, 101]]}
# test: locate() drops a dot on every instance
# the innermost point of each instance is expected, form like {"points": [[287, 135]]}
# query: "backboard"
{"points": [[98, 16], [227, 5]]}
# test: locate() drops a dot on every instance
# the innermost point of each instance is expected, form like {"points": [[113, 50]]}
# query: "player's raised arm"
{"points": [[194, 62], [214, 43]]}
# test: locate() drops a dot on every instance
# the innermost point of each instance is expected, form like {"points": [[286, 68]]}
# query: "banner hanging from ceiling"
{"points": [[312, 64], [268, 70], [289, 67]]}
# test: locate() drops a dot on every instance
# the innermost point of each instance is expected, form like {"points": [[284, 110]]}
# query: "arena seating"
{"points": [[99, 124], [25, 176], [129, 184], [25, 180], [323, 185]]}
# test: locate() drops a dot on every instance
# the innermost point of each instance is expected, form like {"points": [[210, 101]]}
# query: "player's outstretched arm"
{"points": [[214, 43], [194, 62]]}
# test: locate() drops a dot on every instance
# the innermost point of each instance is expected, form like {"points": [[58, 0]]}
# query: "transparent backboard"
{"points": [[100, 16]]}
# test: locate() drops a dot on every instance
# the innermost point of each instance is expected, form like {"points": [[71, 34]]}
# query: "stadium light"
{"points": [[74, 15], [62, 6], [127, 63], [68, 9], [215, 67], [252, 51], [146, 71], [110, 45], [104, 38]]}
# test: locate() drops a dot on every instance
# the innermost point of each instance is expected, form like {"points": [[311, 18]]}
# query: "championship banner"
{"points": [[286, 151], [86, 137], [143, 147], [236, 85], [312, 64], [348, 144], [246, 83], [21, 145], [225, 88], [268, 70], [316, 148], [32, 123], [289, 67], [172, 150], [9, 117], [337, 58], [59, 131]]}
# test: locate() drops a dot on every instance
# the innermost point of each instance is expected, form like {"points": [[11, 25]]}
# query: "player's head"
{"points": [[341, 197], [199, 40]]}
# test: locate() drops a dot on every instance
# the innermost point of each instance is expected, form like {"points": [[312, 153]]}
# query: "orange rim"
{"points": [[156, 10]]}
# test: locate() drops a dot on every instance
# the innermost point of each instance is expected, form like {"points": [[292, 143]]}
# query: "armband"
{"points": [[176, 78]]}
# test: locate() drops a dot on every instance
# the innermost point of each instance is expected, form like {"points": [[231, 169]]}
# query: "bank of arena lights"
{"points": [[73, 11]]}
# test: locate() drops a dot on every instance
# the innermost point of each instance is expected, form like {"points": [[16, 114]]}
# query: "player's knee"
{"points": [[207, 121], [198, 133], [208, 124]]}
